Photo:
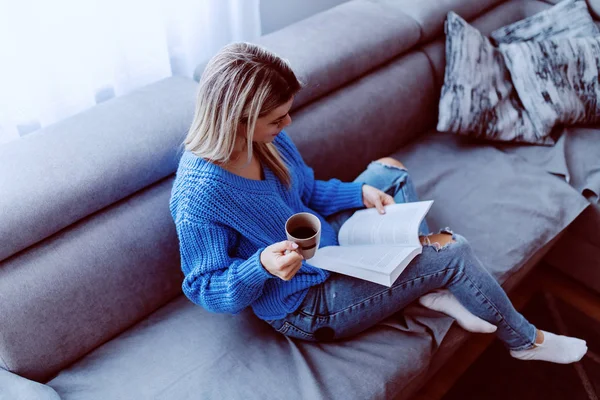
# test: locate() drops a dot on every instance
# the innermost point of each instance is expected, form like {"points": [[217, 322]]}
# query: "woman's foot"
{"points": [[553, 348], [443, 300]]}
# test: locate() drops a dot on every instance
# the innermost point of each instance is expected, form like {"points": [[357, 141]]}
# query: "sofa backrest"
{"points": [[369, 88], [375, 112], [88, 244]]}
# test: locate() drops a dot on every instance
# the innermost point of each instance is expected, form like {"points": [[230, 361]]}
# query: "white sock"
{"points": [[555, 348], [443, 300]]}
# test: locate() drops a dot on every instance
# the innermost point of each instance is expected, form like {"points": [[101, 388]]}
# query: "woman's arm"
{"points": [[213, 279], [329, 197], [325, 197]]}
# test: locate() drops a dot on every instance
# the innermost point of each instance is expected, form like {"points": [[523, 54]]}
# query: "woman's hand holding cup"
{"points": [[282, 259]]}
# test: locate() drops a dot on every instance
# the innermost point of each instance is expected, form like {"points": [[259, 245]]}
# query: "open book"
{"points": [[376, 247]]}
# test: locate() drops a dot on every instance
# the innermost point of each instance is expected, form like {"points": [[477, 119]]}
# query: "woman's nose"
{"points": [[287, 120]]}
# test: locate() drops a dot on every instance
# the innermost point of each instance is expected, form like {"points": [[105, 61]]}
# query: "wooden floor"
{"points": [[547, 279]]}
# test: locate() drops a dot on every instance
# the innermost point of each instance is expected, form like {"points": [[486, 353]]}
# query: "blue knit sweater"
{"points": [[224, 221]]}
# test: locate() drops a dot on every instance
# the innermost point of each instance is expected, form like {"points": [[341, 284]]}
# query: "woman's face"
{"points": [[269, 126]]}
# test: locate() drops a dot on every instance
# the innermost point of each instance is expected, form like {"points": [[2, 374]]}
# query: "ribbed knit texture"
{"points": [[224, 222]]}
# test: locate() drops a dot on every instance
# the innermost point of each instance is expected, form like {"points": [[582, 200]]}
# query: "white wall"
{"points": [[275, 14]]}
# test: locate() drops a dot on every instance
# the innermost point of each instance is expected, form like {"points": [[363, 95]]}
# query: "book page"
{"points": [[398, 226], [378, 258]]}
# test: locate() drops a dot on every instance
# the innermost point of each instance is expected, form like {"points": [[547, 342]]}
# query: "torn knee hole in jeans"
{"points": [[436, 245], [390, 166]]}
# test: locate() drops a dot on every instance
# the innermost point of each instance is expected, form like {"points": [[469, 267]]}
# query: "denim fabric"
{"points": [[393, 180], [344, 306]]}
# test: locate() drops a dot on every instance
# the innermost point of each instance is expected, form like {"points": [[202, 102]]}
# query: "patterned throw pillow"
{"points": [[569, 18], [557, 79], [478, 98]]}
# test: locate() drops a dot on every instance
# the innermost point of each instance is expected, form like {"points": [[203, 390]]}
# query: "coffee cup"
{"points": [[304, 229]]}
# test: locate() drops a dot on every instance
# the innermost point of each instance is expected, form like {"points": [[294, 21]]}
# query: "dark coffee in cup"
{"points": [[303, 232], [304, 229]]}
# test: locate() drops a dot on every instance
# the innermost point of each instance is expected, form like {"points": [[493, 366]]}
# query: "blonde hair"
{"points": [[241, 83]]}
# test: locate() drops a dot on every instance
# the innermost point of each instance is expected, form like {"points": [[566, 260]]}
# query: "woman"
{"points": [[241, 177]]}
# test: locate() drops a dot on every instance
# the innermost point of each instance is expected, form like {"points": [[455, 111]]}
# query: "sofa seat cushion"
{"points": [[574, 158], [184, 352], [507, 208]]}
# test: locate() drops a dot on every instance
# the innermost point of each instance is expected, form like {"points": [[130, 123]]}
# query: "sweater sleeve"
{"points": [[325, 197], [329, 197], [213, 279]]}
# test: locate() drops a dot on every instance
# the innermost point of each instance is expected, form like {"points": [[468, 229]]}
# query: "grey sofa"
{"points": [[90, 283]]}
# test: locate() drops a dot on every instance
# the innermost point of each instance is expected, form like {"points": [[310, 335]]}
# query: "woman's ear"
{"points": [[241, 129], [241, 136]]}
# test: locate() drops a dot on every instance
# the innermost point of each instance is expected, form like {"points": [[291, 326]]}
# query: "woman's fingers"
{"points": [[379, 205], [387, 200], [373, 197], [290, 264], [291, 259], [295, 267], [284, 245]]}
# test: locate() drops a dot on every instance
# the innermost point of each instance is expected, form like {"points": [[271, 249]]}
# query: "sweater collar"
{"points": [[198, 163]]}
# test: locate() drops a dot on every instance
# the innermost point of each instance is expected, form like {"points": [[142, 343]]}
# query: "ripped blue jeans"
{"points": [[344, 306]]}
